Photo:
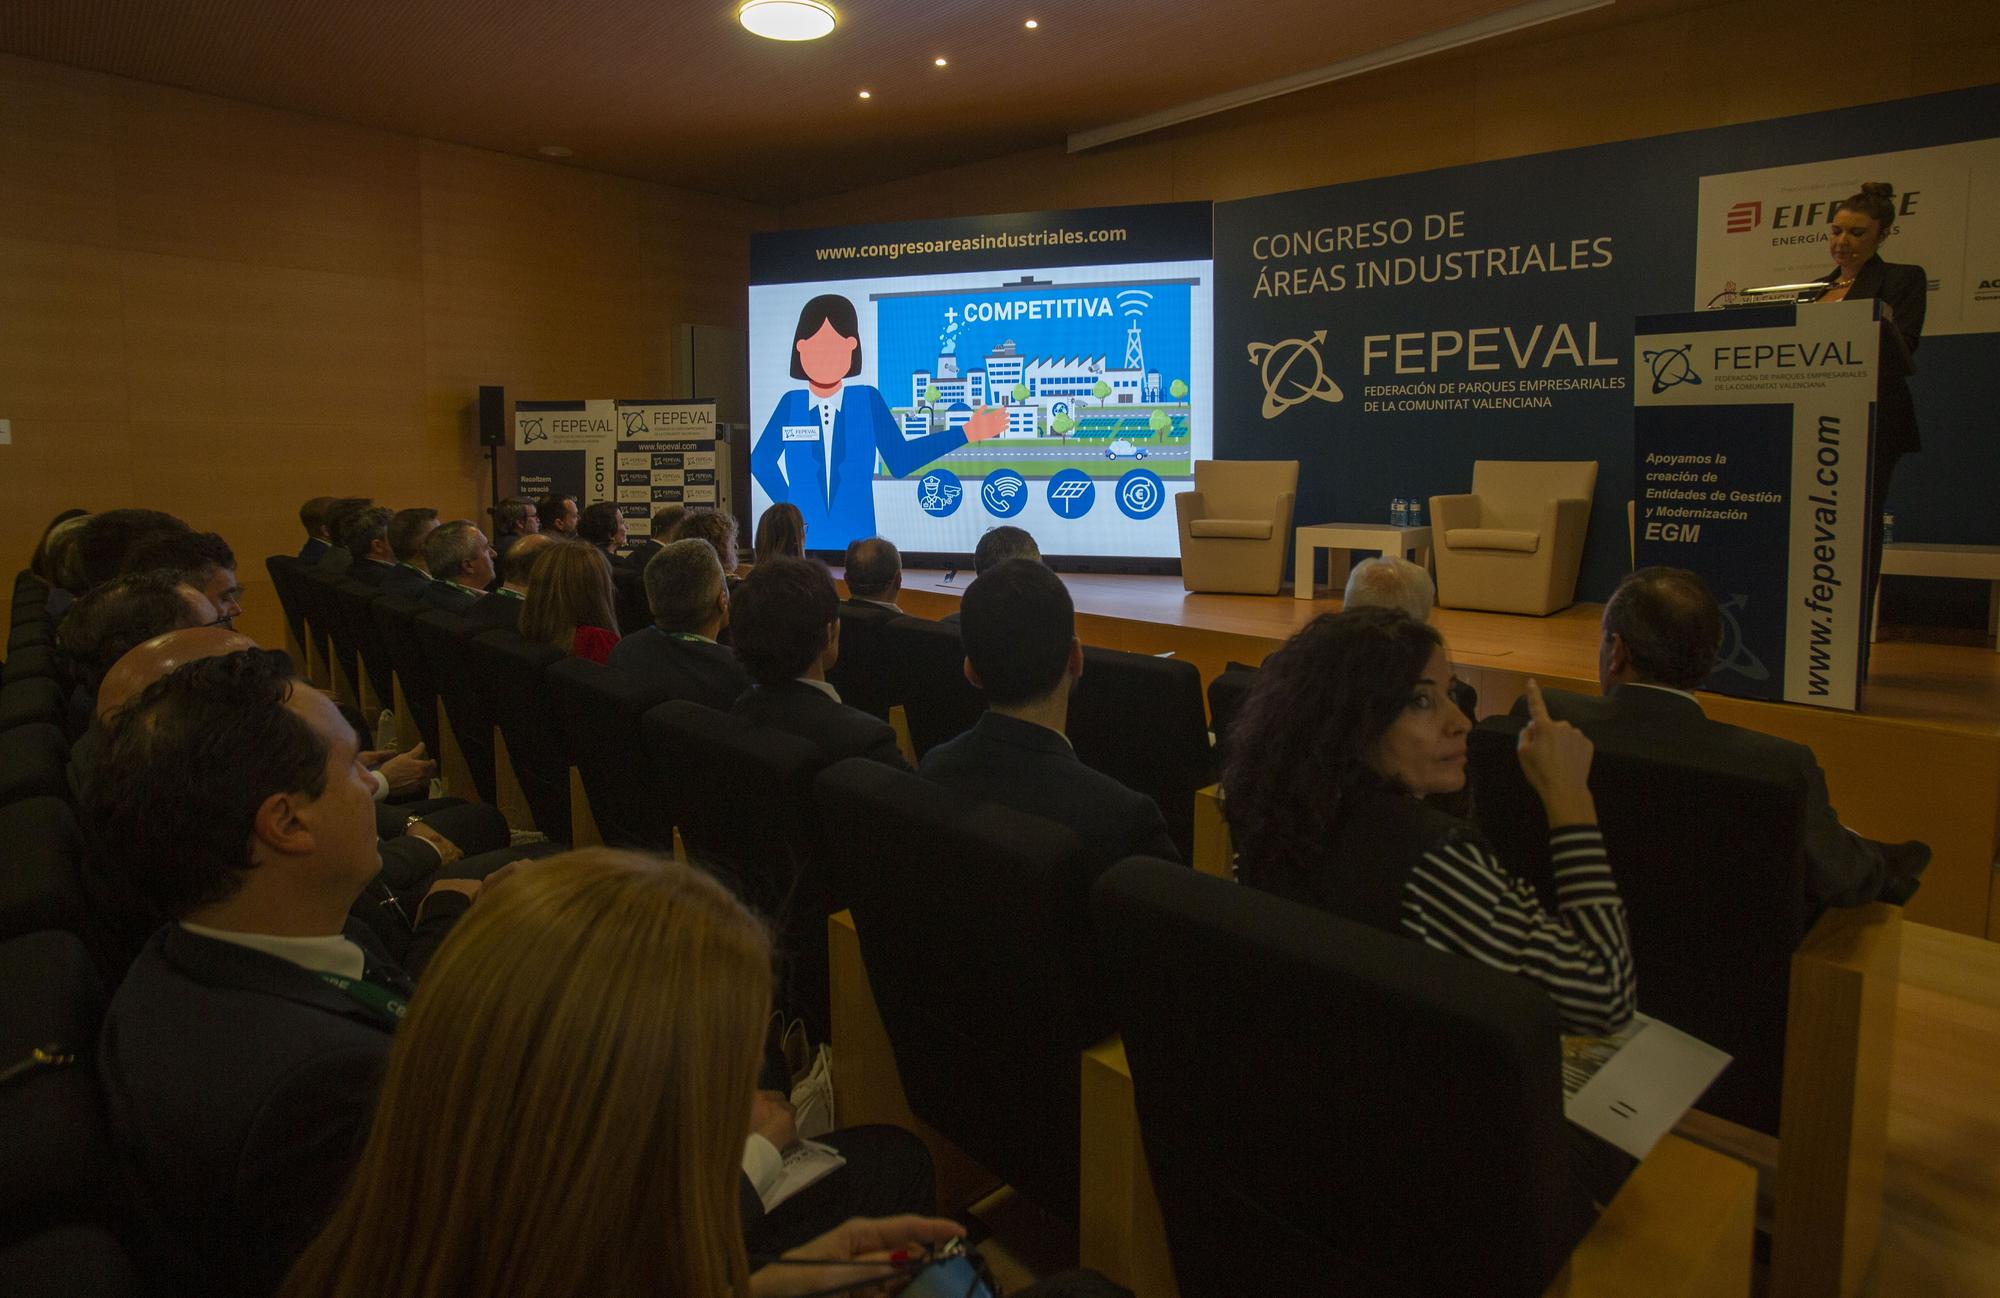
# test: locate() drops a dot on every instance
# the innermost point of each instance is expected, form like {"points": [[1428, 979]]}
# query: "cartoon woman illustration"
{"points": [[818, 450]]}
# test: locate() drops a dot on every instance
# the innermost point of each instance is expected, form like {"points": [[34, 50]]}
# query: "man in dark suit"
{"points": [[997, 546], [785, 626], [241, 1054], [367, 540], [665, 519], [407, 531], [1022, 651], [503, 606], [513, 518], [874, 572], [1662, 629], [312, 517], [340, 517], [461, 566], [690, 606]]}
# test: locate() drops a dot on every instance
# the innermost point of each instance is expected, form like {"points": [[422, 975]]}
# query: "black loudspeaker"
{"points": [[492, 416]]}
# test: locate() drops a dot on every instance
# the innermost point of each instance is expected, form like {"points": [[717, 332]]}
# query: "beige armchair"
{"points": [[1235, 523], [1513, 544]]}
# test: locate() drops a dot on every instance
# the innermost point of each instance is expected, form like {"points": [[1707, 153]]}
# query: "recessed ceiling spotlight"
{"points": [[1031, 24], [555, 151], [866, 95], [938, 61], [787, 20]]}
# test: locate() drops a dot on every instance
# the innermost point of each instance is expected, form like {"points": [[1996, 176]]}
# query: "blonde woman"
{"points": [[564, 1107], [571, 602]]}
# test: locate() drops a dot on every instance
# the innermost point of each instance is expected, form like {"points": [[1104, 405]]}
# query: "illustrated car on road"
{"points": [[1122, 449]]}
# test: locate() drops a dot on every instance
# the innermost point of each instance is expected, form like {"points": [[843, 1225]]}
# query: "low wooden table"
{"points": [[1929, 559], [1342, 538]]}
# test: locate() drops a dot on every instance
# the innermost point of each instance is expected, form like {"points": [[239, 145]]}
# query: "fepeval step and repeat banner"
{"points": [[1755, 446], [641, 454]]}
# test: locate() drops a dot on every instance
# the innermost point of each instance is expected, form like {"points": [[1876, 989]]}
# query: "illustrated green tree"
{"points": [[1100, 390], [1020, 393], [1062, 425], [929, 404], [1178, 390], [1160, 422]]}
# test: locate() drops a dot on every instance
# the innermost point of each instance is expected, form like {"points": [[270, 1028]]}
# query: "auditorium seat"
{"points": [[740, 795], [1710, 861], [937, 700], [465, 723], [284, 570], [1236, 524], [602, 710], [415, 700], [1227, 694], [56, 1189], [866, 674], [41, 871], [1325, 1108], [29, 632], [1513, 544], [1140, 720], [352, 600], [510, 674], [628, 586], [974, 928], [30, 661], [33, 764], [323, 618], [30, 700]]}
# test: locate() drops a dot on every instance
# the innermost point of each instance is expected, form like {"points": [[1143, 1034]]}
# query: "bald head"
{"points": [[149, 661], [1390, 582]]}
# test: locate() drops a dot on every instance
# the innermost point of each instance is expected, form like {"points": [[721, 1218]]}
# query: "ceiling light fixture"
{"points": [[866, 95], [1031, 24], [787, 20], [1500, 24], [938, 61]]}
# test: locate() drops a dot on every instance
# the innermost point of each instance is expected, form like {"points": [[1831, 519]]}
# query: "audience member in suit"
{"points": [[1022, 652], [366, 539], [503, 606], [665, 519], [1661, 632], [241, 1054], [996, 546], [874, 572], [464, 1188], [1392, 581], [785, 622], [340, 516], [105, 541], [570, 602], [719, 530], [408, 530], [603, 525], [461, 566], [781, 534], [690, 604], [513, 518], [319, 538], [105, 624], [202, 560], [557, 515]]}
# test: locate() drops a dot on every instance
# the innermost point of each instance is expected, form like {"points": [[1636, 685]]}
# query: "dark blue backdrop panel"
{"points": [[1587, 240]]}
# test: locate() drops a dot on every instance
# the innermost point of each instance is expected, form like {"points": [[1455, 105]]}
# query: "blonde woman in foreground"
{"points": [[564, 1109]]}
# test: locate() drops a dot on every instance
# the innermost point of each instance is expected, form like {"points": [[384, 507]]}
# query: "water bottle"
{"points": [[1416, 511], [1888, 527], [1399, 512]]}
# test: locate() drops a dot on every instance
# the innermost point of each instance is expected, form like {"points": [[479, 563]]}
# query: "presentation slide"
{"points": [[927, 381]]}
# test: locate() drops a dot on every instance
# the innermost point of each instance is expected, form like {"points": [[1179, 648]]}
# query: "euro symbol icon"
{"points": [[1293, 372]]}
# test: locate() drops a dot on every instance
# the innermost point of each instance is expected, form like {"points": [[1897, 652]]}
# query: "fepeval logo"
{"points": [[1671, 367], [1281, 366], [635, 423], [531, 431], [1745, 217]]}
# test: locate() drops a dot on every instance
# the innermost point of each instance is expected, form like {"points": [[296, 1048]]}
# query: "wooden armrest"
{"points": [[899, 721], [452, 766], [508, 795], [1834, 1130], [1681, 1227], [583, 831], [1212, 852]]}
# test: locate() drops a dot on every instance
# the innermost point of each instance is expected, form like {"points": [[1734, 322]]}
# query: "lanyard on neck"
{"points": [[378, 1000]]}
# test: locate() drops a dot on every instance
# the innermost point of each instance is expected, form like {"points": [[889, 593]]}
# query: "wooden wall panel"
{"points": [[62, 343], [55, 152]]}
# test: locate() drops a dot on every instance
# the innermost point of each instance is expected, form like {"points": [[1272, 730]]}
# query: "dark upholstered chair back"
{"points": [[740, 794], [395, 619], [34, 762], [52, 1120], [323, 616], [1226, 695], [974, 926], [355, 599], [511, 673], [31, 661], [937, 699], [866, 673], [285, 572], [628, 586], [41, 870], [445, 639], [32, 700], [602, 710], [1140, 720], [1330, 1109], [1711, 864]]}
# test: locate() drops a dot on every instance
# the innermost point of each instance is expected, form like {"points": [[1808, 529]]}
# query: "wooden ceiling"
{"points": [[675, 91]]}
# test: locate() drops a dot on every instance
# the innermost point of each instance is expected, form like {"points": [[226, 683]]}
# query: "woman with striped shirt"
{"points": [[1347, 729]]}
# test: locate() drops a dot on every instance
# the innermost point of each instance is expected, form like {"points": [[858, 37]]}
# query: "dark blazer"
{"points": [[239, 1086], [407, 582], [495, 610], [1906, 290], [368, 571], [694, 670], [840, 731], [1842, 867], [1033, 769], [312, 550], [447, 598], [868, 611], [642, 554], [337, 558]]}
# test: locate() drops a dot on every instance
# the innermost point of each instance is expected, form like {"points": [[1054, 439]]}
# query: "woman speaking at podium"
{"points": [[1856, 231]]}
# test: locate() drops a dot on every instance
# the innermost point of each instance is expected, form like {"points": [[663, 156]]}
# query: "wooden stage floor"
{"points": [[1920, 760]]}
